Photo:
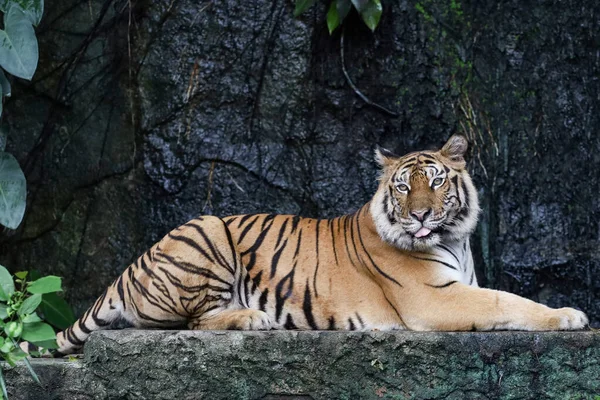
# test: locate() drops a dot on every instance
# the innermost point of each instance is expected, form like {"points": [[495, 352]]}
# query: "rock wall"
{"points": [[141, 118]]}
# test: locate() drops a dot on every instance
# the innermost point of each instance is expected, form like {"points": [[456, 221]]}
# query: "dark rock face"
{"points": [[138, 121]]}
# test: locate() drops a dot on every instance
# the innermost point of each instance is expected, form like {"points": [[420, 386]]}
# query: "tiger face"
{"points": [[425, 198]]}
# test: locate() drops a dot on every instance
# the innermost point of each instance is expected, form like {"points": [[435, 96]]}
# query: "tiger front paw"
{"points": [[567, 319], [251, 320]]}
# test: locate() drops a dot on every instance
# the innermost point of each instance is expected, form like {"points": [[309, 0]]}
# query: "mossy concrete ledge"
{"points": [[133, 364]]}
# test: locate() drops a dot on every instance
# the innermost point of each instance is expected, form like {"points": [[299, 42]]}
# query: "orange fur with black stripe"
{"points": [[402, 261]]}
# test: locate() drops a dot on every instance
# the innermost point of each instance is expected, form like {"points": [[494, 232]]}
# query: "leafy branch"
{"points": [[19, 321], [19, 57], [369, 10]]}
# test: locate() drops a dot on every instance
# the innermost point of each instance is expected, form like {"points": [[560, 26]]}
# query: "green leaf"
{"points": [[16, 355], [6, 347], [7, 286], [31, 318], [37, 332], [3, 311], [333, 20], [56, 311], [30, 304], [33, 8], [13, 194], [303, 5], [343, 8], [360, 5], [13, 329], [372, 14], [3, 385], [21, 274], [47, 284], [18, 44], [32, 372]]}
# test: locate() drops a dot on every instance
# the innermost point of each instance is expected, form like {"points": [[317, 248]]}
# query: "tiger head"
{"points": [[425, 198]]}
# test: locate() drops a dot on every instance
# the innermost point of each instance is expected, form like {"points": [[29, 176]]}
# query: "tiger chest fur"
{"points": [[402, 261], [335, 274]]}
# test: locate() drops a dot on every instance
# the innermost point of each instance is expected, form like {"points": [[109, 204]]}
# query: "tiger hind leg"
{"points": [[245, 319], [193, 274], [101, 315], [133, 297]]}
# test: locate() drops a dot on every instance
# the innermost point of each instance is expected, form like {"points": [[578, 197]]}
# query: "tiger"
{"points": [[400, 262]]}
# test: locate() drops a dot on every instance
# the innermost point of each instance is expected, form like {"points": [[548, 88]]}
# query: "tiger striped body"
{"points": [[402, 261], [325, 258]]}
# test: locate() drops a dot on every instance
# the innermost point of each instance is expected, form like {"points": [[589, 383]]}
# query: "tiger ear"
{"points": [[384, 157], [455, 148]]}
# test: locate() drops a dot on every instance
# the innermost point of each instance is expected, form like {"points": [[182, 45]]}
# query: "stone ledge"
{"points": [[62, 379], [133, 364]]}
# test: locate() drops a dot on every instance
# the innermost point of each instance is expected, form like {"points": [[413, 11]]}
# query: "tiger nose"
{"points": [[420, 215]]}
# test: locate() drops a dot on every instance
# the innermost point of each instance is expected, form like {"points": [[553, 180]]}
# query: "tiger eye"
{"points": [[438, 181], [402, 188]]}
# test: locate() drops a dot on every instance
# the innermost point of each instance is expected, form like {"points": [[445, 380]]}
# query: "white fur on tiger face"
{"points": [[425, 198]]}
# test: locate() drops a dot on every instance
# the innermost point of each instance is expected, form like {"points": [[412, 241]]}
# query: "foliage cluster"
{"points": [[18, 57], [369, 10], [20, 301]]}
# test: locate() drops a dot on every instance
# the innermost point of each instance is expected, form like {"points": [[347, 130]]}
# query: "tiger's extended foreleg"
{"points": [[458, 307]]}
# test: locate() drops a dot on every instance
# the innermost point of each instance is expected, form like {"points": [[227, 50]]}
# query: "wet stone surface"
{"points": [[236, 107]]}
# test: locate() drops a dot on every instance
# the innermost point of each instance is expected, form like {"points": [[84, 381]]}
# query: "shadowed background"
{"points": [[143, 115]]}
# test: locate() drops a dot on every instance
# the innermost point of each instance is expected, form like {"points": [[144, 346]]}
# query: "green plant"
{"points": [[369, 10], [19, 321], [18, 57]]}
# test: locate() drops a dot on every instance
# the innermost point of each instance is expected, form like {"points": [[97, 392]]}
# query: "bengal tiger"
{"points": [[402, 261]]}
